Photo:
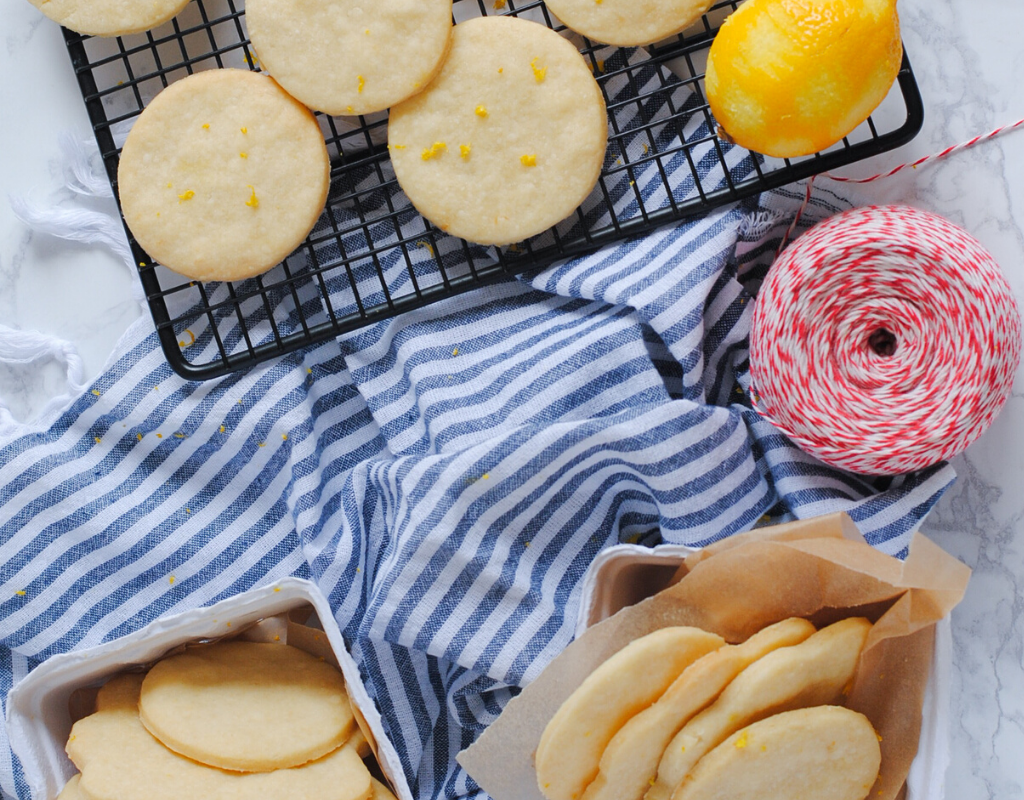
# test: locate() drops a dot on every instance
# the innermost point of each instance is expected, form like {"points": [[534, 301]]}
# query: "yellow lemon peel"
{"points": [[436, 149]]}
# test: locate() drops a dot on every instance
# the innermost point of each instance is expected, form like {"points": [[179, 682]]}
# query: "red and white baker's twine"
{"points": [[933, 157], [884, 341]]}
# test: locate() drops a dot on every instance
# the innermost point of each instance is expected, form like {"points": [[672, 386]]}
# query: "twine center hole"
{"points": [[883, 343]]}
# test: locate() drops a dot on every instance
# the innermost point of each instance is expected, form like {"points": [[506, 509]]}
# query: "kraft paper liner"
{"points": [[815, 569]]}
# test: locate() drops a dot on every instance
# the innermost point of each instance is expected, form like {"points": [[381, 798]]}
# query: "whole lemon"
{"points": [[791, 77]]}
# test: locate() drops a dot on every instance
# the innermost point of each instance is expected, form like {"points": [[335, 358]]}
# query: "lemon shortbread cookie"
{"points": [[628, 23], [110, 17], [630, 762], [570, 748], [822, 753], [247, 706], [351, 56], [120, 760], [223, 175], [814, 672], [380, 791], [508, 139], [71, 790]]}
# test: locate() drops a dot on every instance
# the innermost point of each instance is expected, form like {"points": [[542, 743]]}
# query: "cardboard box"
{"points": [[628, 593], [42, 708]]}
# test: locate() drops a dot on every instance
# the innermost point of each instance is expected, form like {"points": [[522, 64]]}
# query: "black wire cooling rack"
{"points": [[372, 256]]}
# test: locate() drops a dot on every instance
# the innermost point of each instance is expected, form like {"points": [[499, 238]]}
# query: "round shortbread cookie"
{"points": [[223, 175], [120, 760], [629, 763], [380, 791], [350, 56], [110, 17], [821, 753], [628, 23], [247, 706], [71, 790], [508, 139], [812, 673], [569, 751]]}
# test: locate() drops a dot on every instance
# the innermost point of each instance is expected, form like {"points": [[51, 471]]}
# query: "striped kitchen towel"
{"points": [[445, 477]]}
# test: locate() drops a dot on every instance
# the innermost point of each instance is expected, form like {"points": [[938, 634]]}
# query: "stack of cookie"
{"points": [[234, 720], [680, 715]]}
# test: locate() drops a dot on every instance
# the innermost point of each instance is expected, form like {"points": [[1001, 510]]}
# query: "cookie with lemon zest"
{"points": [[508, 139]]}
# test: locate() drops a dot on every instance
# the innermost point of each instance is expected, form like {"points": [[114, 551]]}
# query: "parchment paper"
{"points": [[735, 588]]}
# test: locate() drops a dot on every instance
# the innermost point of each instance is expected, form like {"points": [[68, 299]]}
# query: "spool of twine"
{"points": [[884, 340]]}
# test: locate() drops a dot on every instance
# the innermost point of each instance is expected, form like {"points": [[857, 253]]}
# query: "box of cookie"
{"points": [[793, 661], [255, 696]]}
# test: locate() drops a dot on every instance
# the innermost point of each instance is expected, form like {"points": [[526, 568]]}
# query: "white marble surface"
{"points": [[969, 63]]}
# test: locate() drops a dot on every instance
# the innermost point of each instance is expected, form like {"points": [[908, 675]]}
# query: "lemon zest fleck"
{"points": [[138, 436], [189, 194], [245, 130], [206, 126], [243, 155], [222, 429], [97, 439], [481, 111], [362, 83], [171, 580], [741, 742], [277, 588], [426, 246], [96, 392], [253, 201], [284, 437], [464, 150], [434, 150], [539, 73], [20, 592], [529, 160]]}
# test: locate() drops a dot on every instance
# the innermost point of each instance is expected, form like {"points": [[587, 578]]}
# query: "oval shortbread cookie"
{"points": [[822, 753], [120, 760], [570, 748], [350, 56], [630, 762], [223, 175], [508, 139], [247, 706], [628, 23], [110, 17], [814, 672]]}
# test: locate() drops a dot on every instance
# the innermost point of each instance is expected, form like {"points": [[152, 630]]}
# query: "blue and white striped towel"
{"points": [[445, 478]]}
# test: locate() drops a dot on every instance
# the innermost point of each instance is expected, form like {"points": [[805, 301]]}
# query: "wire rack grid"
{"points": [[372, 256]]}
